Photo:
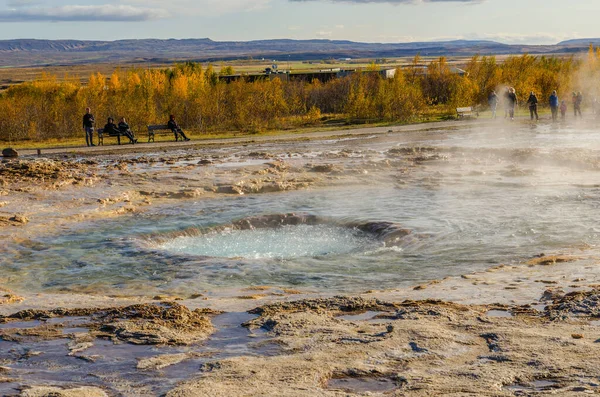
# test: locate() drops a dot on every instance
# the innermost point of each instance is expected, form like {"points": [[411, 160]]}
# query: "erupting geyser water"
{"points": [[284, 242]]}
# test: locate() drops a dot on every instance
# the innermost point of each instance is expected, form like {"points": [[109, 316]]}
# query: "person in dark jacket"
{"points": [[173, 126], [88, 127], [533, 101], [554, 103], [110, 128], [493, 102], [125, 130], [511, 102]]}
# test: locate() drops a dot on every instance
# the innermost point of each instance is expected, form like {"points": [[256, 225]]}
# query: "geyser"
{"points": [[282, 236], [282, 242]]}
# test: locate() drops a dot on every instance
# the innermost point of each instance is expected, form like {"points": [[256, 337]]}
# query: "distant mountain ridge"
{"points": [[34, 52], [594, 41]]}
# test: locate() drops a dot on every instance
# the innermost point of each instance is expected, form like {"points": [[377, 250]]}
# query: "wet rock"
{"points": [[45, 171], [79, 345], [391, 233], [41, 332], [278, 166], [167, 298], [336, 304], [169, 324], [15, 220], [324, 168], [230, 189], [48, 391], [163, 361], [9, 298], [166, 324], [274, 220], [411, 150], [10, 152], [575, 304], [252, 297], [550, 260], [261, 155]]}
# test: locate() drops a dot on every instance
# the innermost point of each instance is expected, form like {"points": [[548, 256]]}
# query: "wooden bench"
{"points": [[160, 129], [101, 136], [464, 112]]}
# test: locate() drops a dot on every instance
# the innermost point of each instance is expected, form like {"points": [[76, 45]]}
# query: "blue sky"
{"points": [[390, 21]]}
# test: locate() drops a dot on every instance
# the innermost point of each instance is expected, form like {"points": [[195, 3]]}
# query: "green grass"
{"points": [[333, 123], [75, 142]]}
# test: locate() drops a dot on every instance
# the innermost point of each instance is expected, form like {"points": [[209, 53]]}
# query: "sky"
{"points": [[385, 21]]}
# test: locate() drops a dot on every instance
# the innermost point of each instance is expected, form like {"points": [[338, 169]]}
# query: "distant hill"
{"points": [[587, 42], [32, 52]]}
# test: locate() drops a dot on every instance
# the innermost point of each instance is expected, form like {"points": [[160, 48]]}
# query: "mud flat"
{"points": [[517, 322]]}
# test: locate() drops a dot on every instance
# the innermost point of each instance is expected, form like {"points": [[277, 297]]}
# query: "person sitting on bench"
{"points": [[111, 128], [125, 130], [173, 126]]}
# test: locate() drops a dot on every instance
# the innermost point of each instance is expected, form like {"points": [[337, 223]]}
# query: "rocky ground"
{"points": [[527, 329]]}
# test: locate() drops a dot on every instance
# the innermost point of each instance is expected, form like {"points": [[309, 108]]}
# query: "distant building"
{"points": [[423, 70], [323, 75]]}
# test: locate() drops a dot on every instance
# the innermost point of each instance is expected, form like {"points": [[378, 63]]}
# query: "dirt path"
{"points": [[148, 147]]}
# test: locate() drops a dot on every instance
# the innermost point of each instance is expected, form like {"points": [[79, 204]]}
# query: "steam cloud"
{"points": [[106, 12]]}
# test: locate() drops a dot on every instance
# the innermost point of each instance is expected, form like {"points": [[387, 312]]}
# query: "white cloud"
{"points": [[322, 33], [105, 12], [205, 7]]}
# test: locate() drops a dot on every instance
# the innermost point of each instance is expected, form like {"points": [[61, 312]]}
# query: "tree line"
{"points": [[49, 108]]}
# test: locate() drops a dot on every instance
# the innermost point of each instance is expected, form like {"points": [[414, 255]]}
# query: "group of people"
{"points": [[511, 102], [122, 128]]}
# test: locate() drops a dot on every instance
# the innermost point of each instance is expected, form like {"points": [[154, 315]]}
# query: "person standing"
{"points": [[563, 109], [173, 126], [88, 127], [577, 101], [533, 101], [505, 101], [554, 105], [511, 102], [493, 102]]}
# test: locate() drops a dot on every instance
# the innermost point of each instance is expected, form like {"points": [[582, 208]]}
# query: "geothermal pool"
{"points": [[472, 198]]}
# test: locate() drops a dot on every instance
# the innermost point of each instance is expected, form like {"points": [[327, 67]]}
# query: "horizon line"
{"points": [[591, 40]]}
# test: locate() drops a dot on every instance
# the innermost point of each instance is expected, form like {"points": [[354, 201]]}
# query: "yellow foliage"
{"points": [[48, 107]]}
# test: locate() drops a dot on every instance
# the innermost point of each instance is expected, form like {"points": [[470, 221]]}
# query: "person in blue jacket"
{"points": [[554, 103]]}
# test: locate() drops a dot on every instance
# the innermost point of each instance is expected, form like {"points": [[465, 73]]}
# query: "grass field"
{"points": [[16, 75]]}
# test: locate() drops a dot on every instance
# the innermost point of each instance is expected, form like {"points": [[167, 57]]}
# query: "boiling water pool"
{"points": [[286, 242], [489, 197]]}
